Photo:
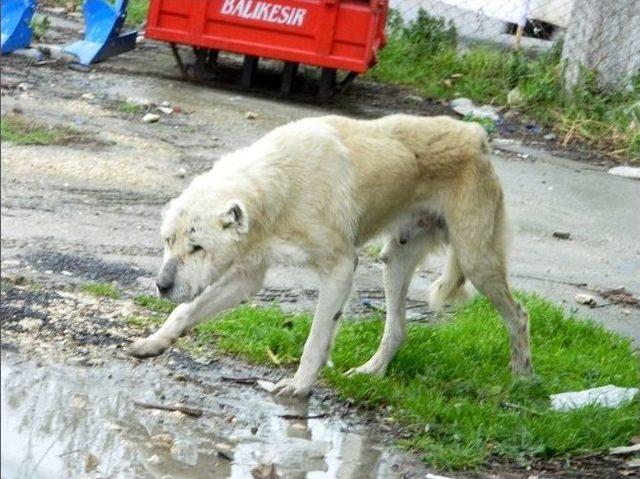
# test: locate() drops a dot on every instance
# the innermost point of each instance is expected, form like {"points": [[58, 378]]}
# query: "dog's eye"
{"points": [[196, 247]]}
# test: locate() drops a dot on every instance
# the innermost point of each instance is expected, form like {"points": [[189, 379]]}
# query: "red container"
{"points": [[340, 34]]}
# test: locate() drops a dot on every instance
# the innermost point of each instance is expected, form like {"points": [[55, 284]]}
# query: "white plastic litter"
{"points": [[435, 476], [464, 106], [606, 396], [625, 171]]}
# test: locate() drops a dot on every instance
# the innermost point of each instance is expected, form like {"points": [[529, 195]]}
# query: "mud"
{"points": [[89, 211]]}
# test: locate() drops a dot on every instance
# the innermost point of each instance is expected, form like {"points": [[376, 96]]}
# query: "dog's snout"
{"points": [[163, 286]]}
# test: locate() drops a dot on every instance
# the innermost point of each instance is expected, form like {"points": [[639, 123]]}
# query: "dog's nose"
{"points": [[163, 286]]}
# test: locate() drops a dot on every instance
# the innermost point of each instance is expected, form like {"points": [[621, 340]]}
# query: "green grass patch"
{"points": [[106, 290], [152, 303], [22, 132], [423, 54], [451, 385], [130, 108], [137, 12]]}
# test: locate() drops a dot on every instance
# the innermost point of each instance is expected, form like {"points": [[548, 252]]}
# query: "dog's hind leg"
{"points": [[450, 288], [400, 257], [477, 233]]}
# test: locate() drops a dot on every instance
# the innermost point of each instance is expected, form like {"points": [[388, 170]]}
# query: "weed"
{"points": [[137, 12], [40, 26], [423, 54], [106, 290], [152, 303], [373, 250], [130, 108], [21, 132], [487, 123], [450, 383]]}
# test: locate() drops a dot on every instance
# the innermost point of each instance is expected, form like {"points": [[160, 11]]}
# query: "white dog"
{"points": [[325, 186]]}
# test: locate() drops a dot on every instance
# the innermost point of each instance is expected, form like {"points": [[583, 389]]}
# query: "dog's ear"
{"points": [[234, 215]]}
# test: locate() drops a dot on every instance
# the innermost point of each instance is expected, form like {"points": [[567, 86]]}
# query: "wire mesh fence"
{"points": [[573, 64]]}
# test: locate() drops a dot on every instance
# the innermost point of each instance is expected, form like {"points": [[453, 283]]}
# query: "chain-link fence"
{"points": [[573, 64]]}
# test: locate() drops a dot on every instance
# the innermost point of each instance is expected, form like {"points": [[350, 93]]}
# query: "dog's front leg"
{"points": [[232, 288], [334, 292]]}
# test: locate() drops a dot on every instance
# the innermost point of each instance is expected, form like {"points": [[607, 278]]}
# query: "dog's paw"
{"points": [[146, 348], [372, 368], [290, 388]]}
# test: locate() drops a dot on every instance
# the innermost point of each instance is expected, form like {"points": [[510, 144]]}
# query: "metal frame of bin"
{"points": [[331, 34]]}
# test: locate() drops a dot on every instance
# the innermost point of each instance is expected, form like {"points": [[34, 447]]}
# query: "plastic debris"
{"points": [[586, 299], [606, 396], [626, 172], [465, 107]]}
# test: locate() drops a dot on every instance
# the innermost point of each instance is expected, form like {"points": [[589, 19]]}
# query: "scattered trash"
{"points": [[606, 396], [465, 106], [165, 109], [414, 98], [561, 235], [165, 104], [625, 449], [87, 96], [435, 476], [250, 115], [301, 417], [139, 101], [626, 172], [182, 172], [154, 460], [550, 136], [586, 299], [150, 118]]}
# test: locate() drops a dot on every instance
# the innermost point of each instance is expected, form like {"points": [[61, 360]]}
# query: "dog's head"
{"points": [[200, 244]]}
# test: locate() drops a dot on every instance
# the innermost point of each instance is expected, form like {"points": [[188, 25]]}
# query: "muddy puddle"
{"points": [[66, 421]]}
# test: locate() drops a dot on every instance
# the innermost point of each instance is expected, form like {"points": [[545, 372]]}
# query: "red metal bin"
{"points": [[337, 34]]}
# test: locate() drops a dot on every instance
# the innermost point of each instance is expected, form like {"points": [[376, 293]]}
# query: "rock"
{"points": [[633, 463], [182, 172], [550, 136], [266, 385], [165, 109], [154, 460], [561, 235], [250, 115], [586, 299], [30, 324], [87, 96], [515, 97], [224, 449], [91, 463], [150, 118], [164, 441], [414, 98], [632, 172], [465, 107], [77, 361], [264, 471]]}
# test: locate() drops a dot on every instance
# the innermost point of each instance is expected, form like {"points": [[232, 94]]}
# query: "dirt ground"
{"points": [[88, 210]]}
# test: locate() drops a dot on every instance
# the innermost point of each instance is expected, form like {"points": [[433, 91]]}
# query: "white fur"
{"points": [[320, 188]]}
